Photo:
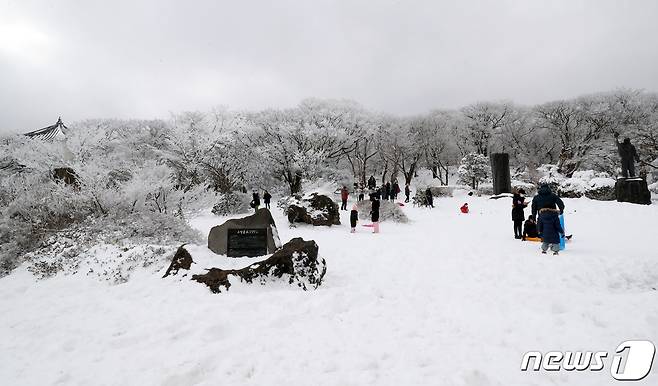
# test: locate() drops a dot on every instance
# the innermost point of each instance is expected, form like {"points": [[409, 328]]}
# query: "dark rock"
{"points": [[297, 262], [182, 260], [66, 175], [317, 210], [262, 219], [502, 182], [601, 193], [633, 190]]}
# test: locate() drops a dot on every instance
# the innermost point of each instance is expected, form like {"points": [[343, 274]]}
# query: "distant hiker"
{"points": [[255, 201], [464, 208], [343, 196], [407, 192], [376, 194], [545, 199], [372, 183], [374, 215], [530, 228], [628, 154], [266, 199], [518, 204], [387, 191], [362, 194], [396, 190], [354, 218], [550, 230], [429, 199]]}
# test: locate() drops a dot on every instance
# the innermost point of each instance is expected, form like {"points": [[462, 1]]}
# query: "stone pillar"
{"points": [[502, 182], [633, 190]]}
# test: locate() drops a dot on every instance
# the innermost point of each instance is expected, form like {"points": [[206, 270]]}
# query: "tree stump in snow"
{"points": [[502, 182], [297, 262], [317, 210], [633, 190]]}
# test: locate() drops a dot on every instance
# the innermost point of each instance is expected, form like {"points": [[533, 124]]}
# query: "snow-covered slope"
{"points": [[447, 299]]}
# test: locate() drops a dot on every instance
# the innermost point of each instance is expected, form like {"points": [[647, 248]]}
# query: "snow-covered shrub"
{"points": [[231, 203], [586, 183], [473, 169], [388, 211]]}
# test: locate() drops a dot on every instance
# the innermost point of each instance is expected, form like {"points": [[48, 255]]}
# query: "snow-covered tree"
{"points": [[473, 169]]}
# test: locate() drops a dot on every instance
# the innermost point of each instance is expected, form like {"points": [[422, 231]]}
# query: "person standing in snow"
{"points": [[354, 218], [344, 194], [545, 199], [372, 183], [407, 192], [518, 204], [549, 230], [266, 199], [255, 201], [429, 198], [362, 193], [396, 189], [374, 214], [387, 190]]}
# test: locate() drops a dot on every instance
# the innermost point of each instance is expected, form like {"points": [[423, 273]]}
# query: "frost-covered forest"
{"points": [[143, 179]]}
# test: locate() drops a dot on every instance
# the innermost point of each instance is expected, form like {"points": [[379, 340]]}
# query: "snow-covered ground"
{"points": [[447, 299]]}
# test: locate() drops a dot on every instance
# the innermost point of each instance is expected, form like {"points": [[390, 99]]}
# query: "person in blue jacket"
{"points": [[549, 230]]}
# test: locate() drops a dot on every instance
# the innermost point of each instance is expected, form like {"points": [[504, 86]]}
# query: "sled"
{"points": [[563, 240], [400, 204], [368, 225], [533, 239]]}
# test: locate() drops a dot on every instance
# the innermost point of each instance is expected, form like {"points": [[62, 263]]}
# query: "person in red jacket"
{"points": [[464, 208], [343, 196]]}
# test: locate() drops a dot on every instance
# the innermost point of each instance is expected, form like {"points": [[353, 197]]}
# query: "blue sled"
{"points": [[563, 240]]}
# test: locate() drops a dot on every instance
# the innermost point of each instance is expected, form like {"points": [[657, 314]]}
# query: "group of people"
{"points": [[547, 226], [255, 199]]}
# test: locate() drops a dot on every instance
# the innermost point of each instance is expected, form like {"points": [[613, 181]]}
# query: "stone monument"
{"points": [[502, 182], [254, 235]]}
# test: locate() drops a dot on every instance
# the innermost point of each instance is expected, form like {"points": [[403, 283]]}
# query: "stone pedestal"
{"points": [[502, 182], [633, 190]]}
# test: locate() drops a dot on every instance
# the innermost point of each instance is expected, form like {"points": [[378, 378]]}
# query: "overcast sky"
{"points": [[144, 59]]}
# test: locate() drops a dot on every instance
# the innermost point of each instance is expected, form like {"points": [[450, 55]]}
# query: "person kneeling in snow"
{"points": [[530, 228], [354, 218], [464, 208], [549, 230]]}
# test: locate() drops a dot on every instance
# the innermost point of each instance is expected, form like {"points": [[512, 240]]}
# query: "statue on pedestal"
{"points": [[628, 156]]}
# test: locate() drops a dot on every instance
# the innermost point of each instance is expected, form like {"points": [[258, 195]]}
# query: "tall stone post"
{"points": [[502, 182]]}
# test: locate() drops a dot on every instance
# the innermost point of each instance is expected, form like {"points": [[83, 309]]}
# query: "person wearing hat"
{"points": [[464, 208]]}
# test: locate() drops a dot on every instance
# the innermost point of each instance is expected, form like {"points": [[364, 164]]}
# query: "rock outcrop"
{"points": [[315, 209], [182, 260], [297, 262]]}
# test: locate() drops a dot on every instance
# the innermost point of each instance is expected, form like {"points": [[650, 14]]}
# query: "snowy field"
{"points": [[448, 299]]}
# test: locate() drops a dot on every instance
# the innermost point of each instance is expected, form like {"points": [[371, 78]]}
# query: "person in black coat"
{"points": [[354, 218], [545, 199], [530, 228], [266, 199], [255, 201], [549, 230], [518, 204], [372, 183], [395, 190], [407, 192], [387, 190], [374, 215], [429, 198]]}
